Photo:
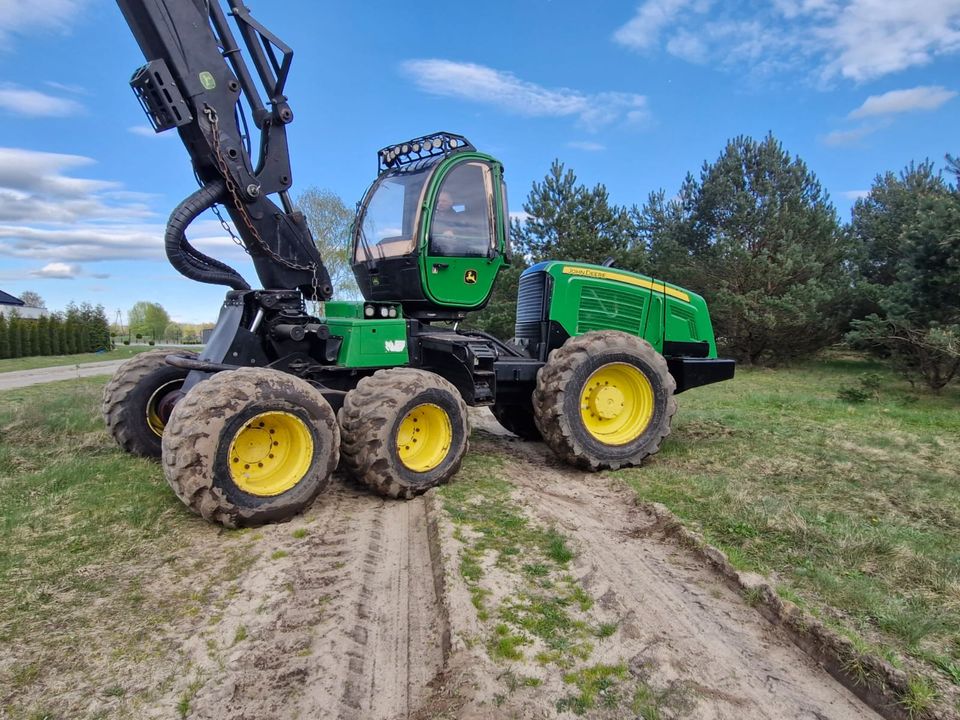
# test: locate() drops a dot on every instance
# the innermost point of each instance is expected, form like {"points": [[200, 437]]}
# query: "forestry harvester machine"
{"points": [[250, 430]]}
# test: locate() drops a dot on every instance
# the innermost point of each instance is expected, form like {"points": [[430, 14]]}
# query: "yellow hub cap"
{"points": [[424, 437], [270, 454], [617, 403]]}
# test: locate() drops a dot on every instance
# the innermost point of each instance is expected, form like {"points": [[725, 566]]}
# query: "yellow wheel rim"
{"points": [[270, 454], [424, 437], [154, 421], [616, 404]]}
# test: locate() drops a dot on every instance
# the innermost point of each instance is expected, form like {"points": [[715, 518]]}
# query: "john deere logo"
{"points": [[470, 277], [208, 81]]}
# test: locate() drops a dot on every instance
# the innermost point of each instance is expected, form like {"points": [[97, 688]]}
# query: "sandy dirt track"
{"points": [[25, 378], [351, 628]]}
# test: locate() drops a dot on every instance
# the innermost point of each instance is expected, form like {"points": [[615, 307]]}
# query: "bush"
{"points": [[868, 389], [126, 342], [151, 342]]}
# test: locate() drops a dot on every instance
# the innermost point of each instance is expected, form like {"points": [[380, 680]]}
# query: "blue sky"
{"points": [[630, 94]]}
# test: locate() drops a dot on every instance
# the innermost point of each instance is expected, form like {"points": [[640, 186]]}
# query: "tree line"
{"points": [[79, 329], [756, 234]]}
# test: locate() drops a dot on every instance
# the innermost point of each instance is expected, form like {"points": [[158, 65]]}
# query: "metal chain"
{"points": [[240, 206]]}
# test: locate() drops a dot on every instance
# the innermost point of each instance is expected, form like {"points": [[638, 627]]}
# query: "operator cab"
{"points": [[432, 230]]}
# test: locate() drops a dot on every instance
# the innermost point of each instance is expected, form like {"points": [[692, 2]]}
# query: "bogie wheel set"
{"points": [[256, 445]]}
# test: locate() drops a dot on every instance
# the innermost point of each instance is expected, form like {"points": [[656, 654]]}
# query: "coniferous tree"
{"points": [[43, 336], [4, 338], [911, 272], [755, 234], [16, 337], [56, 332]]}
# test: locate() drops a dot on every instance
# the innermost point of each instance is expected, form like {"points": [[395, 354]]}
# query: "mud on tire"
{"points": [[563, 380], [224, 428], [371, 421], [131, 398]]}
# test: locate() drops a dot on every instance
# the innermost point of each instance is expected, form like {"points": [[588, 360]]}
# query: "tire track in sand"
{"points": [[347, 626]]}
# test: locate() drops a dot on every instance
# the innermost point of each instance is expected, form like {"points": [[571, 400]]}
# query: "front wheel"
{"points": [[250, 446], [404, 431], [604, 400]]}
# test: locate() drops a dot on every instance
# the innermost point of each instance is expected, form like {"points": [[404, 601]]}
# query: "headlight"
{"points": [[384, 311], [393, 312], [368, 310]]}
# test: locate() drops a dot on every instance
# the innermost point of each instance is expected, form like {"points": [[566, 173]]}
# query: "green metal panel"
{"points": [[370, 343], [590, 297]]}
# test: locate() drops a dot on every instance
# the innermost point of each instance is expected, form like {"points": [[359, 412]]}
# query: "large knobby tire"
{"points": [[250, 446], [518, 419], [404, 431], [133, 399], [604, 400]]}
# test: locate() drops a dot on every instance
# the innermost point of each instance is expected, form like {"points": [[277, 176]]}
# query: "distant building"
{"points": [[10, 305]]}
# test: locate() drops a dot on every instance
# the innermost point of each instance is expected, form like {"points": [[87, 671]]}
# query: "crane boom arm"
{"points": [[194, 80]]}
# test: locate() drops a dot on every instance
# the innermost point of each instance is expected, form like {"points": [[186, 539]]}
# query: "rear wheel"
{"points": [[604, 400], [518, 419], [250, 446], [138, 400], [404, 431]]}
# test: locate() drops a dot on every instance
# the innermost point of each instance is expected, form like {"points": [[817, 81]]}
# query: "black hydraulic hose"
{"points": [[185, 258]]}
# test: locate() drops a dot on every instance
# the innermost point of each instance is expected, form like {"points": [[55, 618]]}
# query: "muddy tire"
{"points": [[132, 399], [518, 419], [250, 446], [604, 400], [404, 431]]}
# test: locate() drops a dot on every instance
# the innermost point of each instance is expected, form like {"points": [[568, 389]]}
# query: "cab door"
{"points": [[463, 233]]}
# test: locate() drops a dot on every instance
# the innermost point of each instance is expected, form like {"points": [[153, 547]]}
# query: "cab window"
{"points": [[462, 221], [388, 228]]}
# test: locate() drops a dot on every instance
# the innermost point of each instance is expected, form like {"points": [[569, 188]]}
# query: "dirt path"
{"points": [[678, 621], [346, 626], [25, 378]]}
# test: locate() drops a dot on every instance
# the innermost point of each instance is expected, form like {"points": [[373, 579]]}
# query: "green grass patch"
{"points": [[34, 363], [854, 506], [82, 527]]}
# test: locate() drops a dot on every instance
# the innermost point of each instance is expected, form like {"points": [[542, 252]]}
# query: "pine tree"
{"points": [[917, 323], [755, 234]]}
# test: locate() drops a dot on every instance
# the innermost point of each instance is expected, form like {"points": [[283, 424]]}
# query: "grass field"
{"points": [[33, 363], [852, 509]]}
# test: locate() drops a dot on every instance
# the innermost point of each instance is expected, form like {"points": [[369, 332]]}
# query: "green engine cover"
{"points": [[590, 297]]}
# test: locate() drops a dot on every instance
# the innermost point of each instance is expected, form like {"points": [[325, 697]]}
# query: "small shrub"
{"points": [[126, 342], [151, 342], [868, 388]]}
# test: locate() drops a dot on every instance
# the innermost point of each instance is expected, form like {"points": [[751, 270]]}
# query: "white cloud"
{"points": [[929, 97], [478, 83], [21, 18], [872, 38], [148, 132], [33, 103], [57, 271], [587, 146], [854, 39], [643, 30], [49, 216], [839, 138], [854, 194]]}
